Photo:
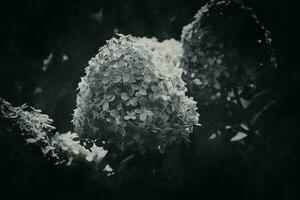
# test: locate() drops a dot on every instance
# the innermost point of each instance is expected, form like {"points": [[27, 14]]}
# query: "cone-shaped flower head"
{"points": [[133, 98]]}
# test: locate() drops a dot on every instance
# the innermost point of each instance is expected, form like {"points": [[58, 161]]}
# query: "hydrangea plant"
{"points": [[133, 98], [229, 65]]}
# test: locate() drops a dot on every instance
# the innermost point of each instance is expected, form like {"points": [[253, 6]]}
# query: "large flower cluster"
{"points": [[225, 45], [133, 98]]}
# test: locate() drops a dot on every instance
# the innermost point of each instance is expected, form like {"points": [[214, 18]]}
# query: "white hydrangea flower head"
{"points": [[133, 98]]}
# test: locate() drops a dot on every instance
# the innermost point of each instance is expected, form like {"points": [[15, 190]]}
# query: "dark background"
{"points": [[31, 30]]}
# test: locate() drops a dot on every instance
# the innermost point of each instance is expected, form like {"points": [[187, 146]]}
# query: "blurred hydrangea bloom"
{"points": [[133, 97], [170, 49], [225, 46], [229, 68]]}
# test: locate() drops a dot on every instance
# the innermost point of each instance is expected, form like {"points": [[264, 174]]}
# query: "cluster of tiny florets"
{"points": [[133, 98]]}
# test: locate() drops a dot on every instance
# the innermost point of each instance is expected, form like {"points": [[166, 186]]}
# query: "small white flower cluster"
{"points": [[133, 97], [37, 129], [68, 143], [32, 124]]}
